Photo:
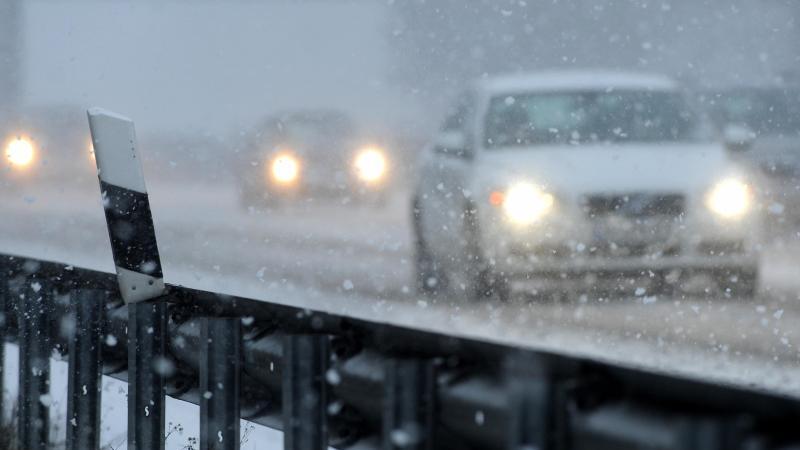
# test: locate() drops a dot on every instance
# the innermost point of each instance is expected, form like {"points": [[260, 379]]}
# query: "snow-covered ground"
{"points": [[183, 420], [356, 260]]}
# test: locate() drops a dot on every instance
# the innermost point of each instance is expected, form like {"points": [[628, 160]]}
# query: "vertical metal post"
{"points": [[148, 366], [4, 297], [305, 360], [536, 415], [85, 371], [220, 383], [408, 404], [34, 364]]}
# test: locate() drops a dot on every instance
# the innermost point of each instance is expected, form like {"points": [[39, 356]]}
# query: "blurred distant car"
{"points": [[609, 181], [45, 145], [772, 116], [312, 154]]}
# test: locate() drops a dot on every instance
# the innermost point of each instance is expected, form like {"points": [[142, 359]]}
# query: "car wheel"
{"points": [[482, 281], [740, 283], [429, 279]]}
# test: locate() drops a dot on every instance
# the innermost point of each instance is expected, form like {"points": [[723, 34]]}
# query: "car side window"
{"points": [[459, 117], [455, 136]]}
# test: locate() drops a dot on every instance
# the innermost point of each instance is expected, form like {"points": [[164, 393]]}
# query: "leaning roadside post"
{"points": [[138, 266]]}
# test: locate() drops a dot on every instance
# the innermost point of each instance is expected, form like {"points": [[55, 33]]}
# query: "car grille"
{"points": [[599, 250], [781, 170], [634, 205], [720, 248]]}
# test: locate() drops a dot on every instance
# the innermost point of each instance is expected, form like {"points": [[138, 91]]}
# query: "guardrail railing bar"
{"points": [[139, 274], [34, 362], [305, 391], [220, 383], [84, 387], [559, 401]]}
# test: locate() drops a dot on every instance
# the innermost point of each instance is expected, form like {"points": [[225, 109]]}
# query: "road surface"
{"points": [[356, 260]]}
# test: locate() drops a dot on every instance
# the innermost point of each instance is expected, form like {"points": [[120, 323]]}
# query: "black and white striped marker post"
{"points": [[138, 266], [130, 223]]}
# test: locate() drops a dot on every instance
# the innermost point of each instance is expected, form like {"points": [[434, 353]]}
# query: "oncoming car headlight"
{"points": [[370, 165], [523, 203], [19, 152], [285, 168], [730, 198]]}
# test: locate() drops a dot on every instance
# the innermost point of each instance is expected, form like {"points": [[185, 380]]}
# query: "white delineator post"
{"points": [[139, 274], [127, 208]]}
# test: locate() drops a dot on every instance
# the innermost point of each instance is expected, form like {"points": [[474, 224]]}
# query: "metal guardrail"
{"points": [[324, 379], [332, 380]]}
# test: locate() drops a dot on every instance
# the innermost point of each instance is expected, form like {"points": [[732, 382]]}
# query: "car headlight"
{"points": [[729, 198], [20, 152], [285, 168], [370, 165], [523, 203]]}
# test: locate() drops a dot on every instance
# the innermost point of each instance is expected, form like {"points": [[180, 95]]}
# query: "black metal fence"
{"points": [[329, 380]]}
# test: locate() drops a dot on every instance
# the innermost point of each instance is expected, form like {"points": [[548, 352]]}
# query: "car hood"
{"points": [[607, 168]]}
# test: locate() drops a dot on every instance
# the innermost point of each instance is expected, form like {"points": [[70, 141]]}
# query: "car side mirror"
{"points": [[738, 138], [453, 143]]}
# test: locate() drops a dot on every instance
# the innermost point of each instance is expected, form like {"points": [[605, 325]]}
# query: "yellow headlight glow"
{"points": [[285, 169], [730, 198], [370, 165], [525, 203], [19, 152]]}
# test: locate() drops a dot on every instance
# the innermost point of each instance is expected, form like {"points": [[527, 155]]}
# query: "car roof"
{"points": [[311, 115], [577, 80]]}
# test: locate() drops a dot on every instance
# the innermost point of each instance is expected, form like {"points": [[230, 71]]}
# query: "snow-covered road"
{"points": [[356, 260]]}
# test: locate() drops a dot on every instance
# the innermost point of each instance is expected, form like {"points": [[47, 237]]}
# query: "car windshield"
{"points": [[309, 129], [616, 116], [768, 112]]}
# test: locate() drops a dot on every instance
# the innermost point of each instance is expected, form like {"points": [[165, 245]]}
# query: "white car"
{"points": [[601, 180]]}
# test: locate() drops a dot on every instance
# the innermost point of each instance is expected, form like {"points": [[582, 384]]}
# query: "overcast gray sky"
{"points": [[202, 65], [219, 67]]}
